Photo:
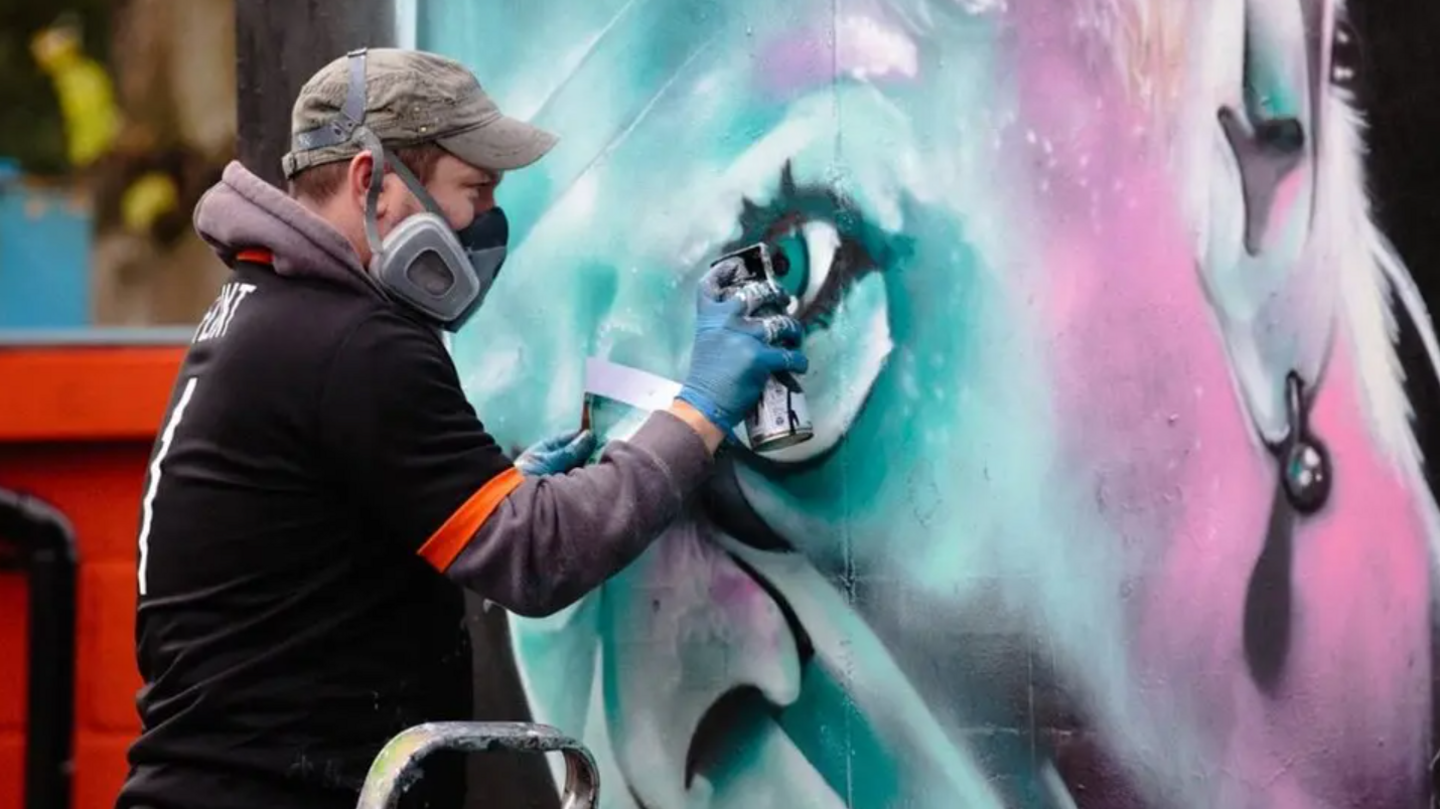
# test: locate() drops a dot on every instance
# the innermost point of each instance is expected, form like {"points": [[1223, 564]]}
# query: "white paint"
{"points": [[147, 518], [869, 48], [822, 242]]}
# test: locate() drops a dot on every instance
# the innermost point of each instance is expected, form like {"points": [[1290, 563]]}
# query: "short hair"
{"points": [[320, 183]]}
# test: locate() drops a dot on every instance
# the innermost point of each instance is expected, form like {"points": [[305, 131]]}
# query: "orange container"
{"points": [[77, 420]]}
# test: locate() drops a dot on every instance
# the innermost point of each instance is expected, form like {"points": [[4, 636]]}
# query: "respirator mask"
{"points": [[423, 263]]}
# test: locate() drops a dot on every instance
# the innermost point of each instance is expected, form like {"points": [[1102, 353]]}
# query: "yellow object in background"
{"points": [[85, 92], [150, 197]]}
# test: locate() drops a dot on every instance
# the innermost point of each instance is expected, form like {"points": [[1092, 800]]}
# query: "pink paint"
{"points": [[794, 62], [1359, 694], [865, 46], [1292, 200], [703, 587], [1149, 411]]}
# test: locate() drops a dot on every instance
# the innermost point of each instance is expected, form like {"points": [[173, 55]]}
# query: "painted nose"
{"points": [[698, 632]]}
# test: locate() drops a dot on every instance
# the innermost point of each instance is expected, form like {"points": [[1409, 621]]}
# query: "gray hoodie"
{"points": [[551, 539]]}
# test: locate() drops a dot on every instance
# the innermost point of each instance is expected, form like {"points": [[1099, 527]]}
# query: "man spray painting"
{"points": [[1112, 499]]}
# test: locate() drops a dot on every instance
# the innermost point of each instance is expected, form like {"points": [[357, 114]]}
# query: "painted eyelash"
{"points": [[793, 207]]}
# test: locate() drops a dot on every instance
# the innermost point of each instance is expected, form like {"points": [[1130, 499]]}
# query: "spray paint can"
{"points": [[782, 418]]}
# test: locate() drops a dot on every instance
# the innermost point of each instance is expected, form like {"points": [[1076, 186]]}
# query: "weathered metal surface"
{"points": [[397, 767]]}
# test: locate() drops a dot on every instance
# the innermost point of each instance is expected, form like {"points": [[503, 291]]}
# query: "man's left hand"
{"points": [[557, 455]]}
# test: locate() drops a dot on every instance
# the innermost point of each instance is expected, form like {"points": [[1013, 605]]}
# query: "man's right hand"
{"points": [[556, 455], [734, 351]]}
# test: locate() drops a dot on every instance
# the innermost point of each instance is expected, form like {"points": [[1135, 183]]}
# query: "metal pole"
{"points": [[398, 765], [281, 43]]}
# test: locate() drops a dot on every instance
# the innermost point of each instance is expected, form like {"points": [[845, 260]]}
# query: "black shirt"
{"points": [[288, 623]]}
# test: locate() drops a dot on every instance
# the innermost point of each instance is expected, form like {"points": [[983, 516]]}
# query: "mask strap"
{"points": [[416, 187], [377, 181]]}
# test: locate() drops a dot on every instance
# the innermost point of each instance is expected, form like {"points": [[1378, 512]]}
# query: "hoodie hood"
{"points": [[243, 212]]}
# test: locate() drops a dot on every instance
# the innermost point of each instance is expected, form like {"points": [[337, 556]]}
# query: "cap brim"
{"points": [[503, 144]]}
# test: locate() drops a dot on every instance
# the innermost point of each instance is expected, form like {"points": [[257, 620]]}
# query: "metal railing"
{"points": [[38, 540], [397, 766]]}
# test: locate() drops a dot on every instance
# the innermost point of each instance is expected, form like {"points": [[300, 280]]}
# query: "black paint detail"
{"points": [[1305, 462], [804, 646], [727, 507], [1266, 152], [1346, 56], [1435, 782], [1307, 475], [749, 211], [1268, 598], [1422, 389], [729, 724], [794, 206], [1302, 487]]}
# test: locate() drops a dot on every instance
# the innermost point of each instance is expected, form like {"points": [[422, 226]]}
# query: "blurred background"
{"points": [[118, 114]]}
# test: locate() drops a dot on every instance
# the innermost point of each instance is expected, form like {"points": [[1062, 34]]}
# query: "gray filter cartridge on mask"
{"points": [[419, 268]]}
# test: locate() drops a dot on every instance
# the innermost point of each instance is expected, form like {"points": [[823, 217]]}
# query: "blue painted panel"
{"points": [[45, 238]]}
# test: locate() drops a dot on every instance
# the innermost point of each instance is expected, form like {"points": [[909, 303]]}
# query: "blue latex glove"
{"points": [[557, 455], [736, 351]]}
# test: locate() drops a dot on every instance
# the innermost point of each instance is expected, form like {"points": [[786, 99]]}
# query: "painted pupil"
{"points": [[792, 262]]}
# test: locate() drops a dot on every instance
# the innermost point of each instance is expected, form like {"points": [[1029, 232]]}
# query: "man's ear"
{"points": [[357, 182]]}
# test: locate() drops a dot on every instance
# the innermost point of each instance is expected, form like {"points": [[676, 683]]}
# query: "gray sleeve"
{"points": [[553, 539]]}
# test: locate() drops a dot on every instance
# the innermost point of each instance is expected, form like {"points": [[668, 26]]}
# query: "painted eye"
{"points": [[808, 250], [815, 237]]}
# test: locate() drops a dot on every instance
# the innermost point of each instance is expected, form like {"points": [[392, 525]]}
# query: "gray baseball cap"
{"points": [[410, 97]]}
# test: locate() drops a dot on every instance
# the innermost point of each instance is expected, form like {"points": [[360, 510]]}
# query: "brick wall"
{"points": [[88, 461]]}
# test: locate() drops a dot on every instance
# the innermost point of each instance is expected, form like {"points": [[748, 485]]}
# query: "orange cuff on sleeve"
{"points": [[445, 544]]}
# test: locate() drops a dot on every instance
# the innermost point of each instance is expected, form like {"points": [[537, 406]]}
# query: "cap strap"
{"points": [[352, 114]]}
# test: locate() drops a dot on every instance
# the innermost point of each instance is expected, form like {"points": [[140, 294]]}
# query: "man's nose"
{"points": [[481, 207]]}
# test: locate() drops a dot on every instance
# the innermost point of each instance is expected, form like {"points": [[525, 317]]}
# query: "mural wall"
{"points": [[1114, 501]]}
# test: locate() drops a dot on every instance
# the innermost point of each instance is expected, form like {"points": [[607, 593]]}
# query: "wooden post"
{"points": [[279, 45]]}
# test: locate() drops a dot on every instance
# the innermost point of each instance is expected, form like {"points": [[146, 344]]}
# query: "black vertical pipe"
{"points": [[280, 44], [45, 543]]}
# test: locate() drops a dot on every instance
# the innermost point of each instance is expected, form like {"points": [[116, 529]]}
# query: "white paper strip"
{"points": [[630, 386]]}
